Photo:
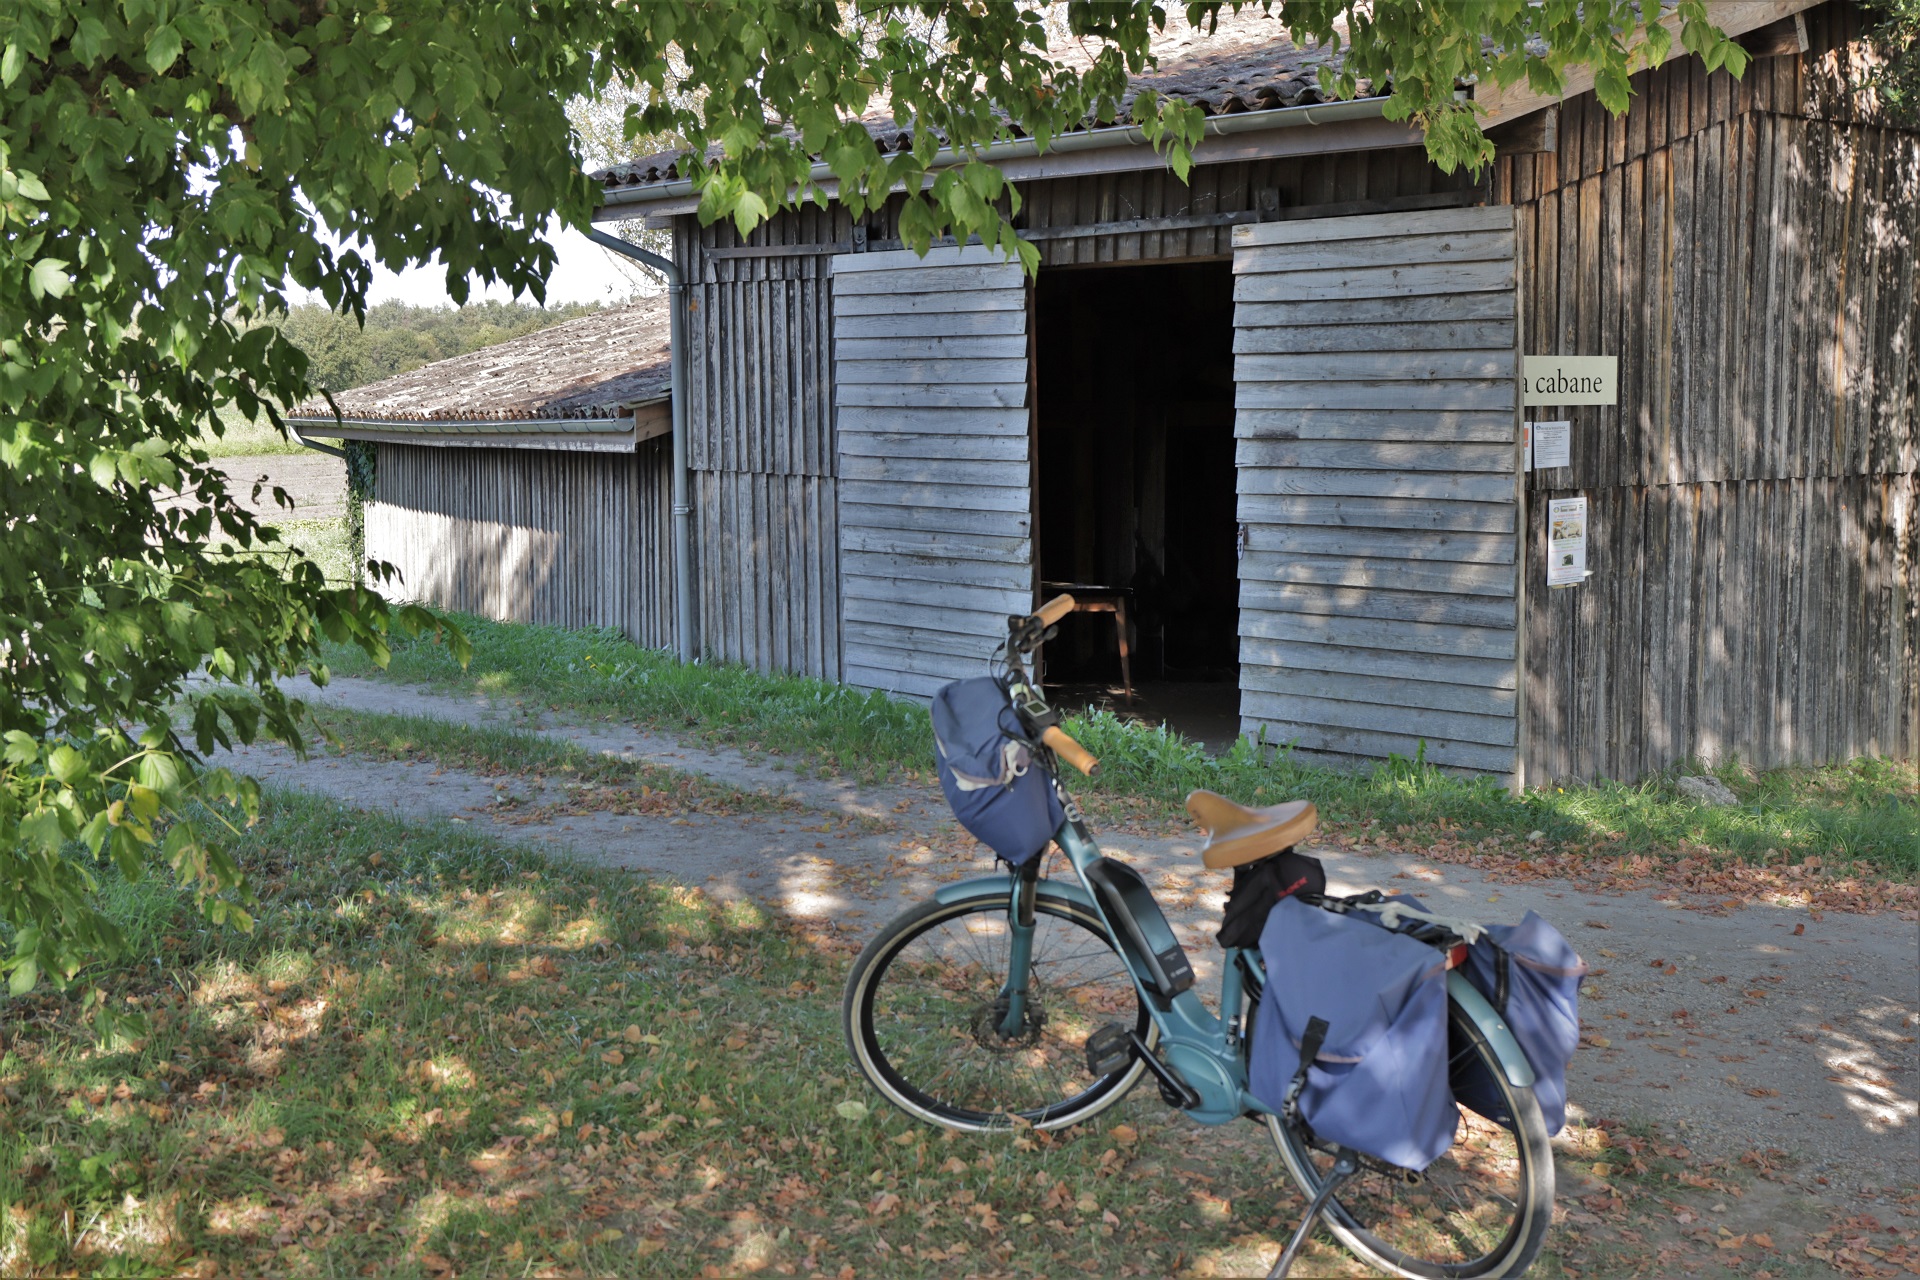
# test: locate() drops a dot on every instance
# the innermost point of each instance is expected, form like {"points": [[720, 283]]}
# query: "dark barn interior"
{"points": [[1136, 484]]}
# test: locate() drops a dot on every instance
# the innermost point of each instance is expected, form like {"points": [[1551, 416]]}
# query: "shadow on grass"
{"points": [[436, 1055]]}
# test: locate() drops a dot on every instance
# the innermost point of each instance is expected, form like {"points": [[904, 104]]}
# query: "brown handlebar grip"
{"points": [[1070, 751], [1052, 611]]}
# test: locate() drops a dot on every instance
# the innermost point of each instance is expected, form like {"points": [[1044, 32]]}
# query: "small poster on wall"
{"points": [[1566, 542], [1552, 445]]}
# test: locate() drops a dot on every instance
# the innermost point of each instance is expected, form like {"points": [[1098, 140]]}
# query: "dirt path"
{"points": [[317, 483], [1731, 1030]]}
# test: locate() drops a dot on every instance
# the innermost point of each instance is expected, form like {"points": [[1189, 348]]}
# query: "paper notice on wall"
{"points": [[1526, 446], [1566, 542], [1552, 445]]}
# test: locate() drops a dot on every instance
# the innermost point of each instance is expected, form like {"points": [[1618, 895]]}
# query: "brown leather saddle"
{"points": [[1237, 835]]}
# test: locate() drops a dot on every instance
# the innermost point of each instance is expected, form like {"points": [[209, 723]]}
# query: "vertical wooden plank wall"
{"points": [[1376, 416], [528, 535], [761, 444], [935, 466], [1749, 251]]}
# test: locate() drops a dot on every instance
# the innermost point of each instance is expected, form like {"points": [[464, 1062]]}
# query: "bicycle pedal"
{"points": [[1109, 1049]]}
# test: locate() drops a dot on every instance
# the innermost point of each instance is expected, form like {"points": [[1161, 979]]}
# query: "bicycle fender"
{"points": [[1513, 1059], [1067, 889]]}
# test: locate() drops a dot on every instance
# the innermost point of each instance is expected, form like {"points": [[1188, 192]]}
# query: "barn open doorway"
{"points": [[1135, 487]]}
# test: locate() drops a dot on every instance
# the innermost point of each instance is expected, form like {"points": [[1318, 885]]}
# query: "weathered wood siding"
{"points": [[1748, 250], [761, 446], [1377, 409], [935, 465], [523, 535]]}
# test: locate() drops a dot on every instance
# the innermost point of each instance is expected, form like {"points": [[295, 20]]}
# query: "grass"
{"points": [[591, 779], [594, 673], [325, 542], [1864, 814], [244, 439], [438, 1055]]}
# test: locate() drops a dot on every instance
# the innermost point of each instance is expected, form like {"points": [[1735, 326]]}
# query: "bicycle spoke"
{"points": [[941, 1019]]}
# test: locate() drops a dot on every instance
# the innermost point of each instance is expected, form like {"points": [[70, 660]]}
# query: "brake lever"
{"points": [[1026, 632]]}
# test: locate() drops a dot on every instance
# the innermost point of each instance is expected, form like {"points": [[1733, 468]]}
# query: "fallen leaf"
{"points": [[851, 1110], [1799, 929]]}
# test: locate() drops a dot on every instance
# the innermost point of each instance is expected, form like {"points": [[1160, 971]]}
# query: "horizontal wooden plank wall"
{"points": [[1376, 413], [573, 539], [1261, 187], [1748, 250], [761, 446], [935, 479]]}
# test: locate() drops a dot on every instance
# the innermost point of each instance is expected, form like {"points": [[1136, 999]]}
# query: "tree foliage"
{"points": [[168, 166], [1894, 33]]}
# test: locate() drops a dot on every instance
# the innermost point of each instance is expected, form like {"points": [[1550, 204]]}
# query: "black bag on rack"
{"points": [[1259, 885]]}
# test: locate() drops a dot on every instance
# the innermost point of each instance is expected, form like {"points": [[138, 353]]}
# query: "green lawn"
{"points": [[243, 439], [1862, 815], [438, 1054]]}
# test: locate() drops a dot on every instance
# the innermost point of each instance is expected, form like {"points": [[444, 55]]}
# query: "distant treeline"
{"points": [[399, 337]]}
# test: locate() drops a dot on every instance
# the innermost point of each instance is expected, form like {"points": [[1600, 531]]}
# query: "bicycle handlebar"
{"points": [[1054, 610], [1070, 751]]}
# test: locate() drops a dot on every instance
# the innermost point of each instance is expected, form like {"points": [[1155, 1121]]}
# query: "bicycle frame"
{"points": [[1204, 1048]]}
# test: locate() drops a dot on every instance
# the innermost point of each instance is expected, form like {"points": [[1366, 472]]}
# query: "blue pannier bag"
{"points": [[1531, 975], [1367, 1009], [988, 771]]}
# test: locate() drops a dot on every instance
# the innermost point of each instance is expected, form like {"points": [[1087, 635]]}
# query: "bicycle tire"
{"points": [[941, 1059], [1404, 1234]]}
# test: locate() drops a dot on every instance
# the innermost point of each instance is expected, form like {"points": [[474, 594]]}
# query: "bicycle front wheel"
{"points": [[1479, 1211], [926, 1015]]}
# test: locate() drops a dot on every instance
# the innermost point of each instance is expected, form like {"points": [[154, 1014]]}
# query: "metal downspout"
{"points": [[684, 638], [294, 431]]}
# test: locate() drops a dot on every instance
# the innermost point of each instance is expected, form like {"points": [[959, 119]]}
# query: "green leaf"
{"points": [[163, 49], [67, 764], [403, 176], [49, 277], [12, 63], [21, 748], [26, 972]]}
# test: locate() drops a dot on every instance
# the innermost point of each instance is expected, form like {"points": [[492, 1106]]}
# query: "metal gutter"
{"points": [[476, 426], [686, 642], [1320, 113], [312, 444]]}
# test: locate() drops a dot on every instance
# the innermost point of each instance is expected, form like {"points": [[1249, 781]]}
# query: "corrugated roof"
{"points": [[599, 366], [1244, 65]]}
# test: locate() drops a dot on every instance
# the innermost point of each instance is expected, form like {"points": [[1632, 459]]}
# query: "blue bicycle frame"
{"points": [[1204, 1049]]}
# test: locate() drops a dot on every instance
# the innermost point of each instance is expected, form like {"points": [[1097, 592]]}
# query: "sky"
{"points": [[585, 273]]}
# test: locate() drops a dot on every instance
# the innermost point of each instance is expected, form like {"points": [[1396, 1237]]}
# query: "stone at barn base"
{"points": [[1705, 790]]}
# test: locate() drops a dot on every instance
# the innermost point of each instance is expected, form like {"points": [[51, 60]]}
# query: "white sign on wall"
{"points": [[1566, 542], [1552, 444], [1564, 380]]}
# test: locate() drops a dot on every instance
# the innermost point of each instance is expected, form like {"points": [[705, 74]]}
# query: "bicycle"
{"points": [[1014, 999]]}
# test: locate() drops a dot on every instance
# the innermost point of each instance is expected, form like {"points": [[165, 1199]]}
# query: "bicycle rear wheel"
{"points": [[924, 1015], [1480, 1210]]}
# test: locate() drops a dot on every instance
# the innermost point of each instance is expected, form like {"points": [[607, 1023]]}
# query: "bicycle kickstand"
{"points": [[1344, 1167]]}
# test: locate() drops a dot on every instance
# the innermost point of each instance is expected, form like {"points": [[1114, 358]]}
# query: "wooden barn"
{"points": [[527, 481], [1283, 416]]}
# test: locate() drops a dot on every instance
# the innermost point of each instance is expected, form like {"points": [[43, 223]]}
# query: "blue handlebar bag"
{"points": [[1379, 1081], [1531, 975], [988, 772]]}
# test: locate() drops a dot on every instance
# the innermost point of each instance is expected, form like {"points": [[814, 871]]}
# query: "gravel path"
{"points": [[1740, 1028], [317, 483]]}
